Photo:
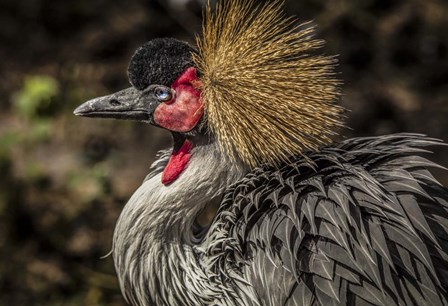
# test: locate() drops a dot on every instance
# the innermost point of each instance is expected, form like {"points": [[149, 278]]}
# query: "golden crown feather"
{"points": [[266, 95]]}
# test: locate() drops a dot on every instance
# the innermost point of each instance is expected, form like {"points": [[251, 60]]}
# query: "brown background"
{"points": [[64, 180]]}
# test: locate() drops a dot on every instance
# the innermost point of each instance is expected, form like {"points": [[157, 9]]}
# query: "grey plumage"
{"points": [[362, 222]]}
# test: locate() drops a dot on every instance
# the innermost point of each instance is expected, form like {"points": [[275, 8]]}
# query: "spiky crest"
{"points": [[266, 96]]}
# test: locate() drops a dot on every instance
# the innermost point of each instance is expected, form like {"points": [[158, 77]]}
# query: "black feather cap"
{"points": [[159, 61]]}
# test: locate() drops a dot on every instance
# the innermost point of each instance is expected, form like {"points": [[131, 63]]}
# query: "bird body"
{"points": [[357, 222], [301, 220]]}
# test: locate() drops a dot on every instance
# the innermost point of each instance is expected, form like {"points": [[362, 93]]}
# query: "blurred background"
{"points": [[64, 180]]}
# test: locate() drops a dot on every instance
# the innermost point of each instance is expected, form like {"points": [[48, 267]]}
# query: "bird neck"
{"points": [[154, 241]]}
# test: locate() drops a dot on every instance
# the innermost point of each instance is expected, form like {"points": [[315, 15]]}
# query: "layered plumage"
{"points": [[301, 220], [362, 222], [359, 223]]}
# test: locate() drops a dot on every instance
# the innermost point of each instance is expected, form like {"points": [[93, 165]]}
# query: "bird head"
{"points": [[165, 89], [254, 83]]}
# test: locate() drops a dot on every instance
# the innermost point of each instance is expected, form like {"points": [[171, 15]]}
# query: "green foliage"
{"points": [[41, 130], [7, 141], [36, 96], [34, 102]]}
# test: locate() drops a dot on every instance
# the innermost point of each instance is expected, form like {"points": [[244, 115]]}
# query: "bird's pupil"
{"points": [[163, 94]]}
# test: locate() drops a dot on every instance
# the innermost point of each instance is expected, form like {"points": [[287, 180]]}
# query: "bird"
{"points": [[301, 219]]}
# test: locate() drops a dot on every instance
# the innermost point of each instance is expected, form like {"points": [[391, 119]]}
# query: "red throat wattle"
{"points": [[181, 114], [178, 162]]}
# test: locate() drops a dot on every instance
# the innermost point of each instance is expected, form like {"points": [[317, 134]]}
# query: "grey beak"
{"points": [[128, 104]]}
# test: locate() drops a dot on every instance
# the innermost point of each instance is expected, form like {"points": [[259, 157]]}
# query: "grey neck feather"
{"points": [[153, 245]]}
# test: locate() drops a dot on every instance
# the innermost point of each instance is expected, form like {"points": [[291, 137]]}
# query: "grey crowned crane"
{"points": [[301, 220]]}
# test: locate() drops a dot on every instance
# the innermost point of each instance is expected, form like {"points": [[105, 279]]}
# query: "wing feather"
{"points": [[362, 222]]}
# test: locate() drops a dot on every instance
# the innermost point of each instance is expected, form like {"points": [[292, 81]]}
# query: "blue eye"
{"points": [[163, 93]]}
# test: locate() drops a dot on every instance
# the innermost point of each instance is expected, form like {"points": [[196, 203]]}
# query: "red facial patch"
{"points": [[178, 162], [185, 110]]}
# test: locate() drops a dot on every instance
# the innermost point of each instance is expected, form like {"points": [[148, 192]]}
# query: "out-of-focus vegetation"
{"points": [[64, 179]]}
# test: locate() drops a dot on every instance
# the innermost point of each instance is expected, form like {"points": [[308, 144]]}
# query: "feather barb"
{"points": [[266, 95]]}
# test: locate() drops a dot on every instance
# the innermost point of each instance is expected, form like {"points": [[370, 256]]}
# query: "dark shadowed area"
{"points": [[64, 180]]}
